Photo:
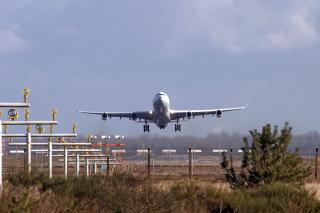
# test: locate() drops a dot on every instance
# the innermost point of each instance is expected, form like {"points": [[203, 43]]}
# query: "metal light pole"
{"points": [[87, 166], [50, 158], [49, 144], [95, 167], [65, 162], [26, 115], [6, 105], [77, 164], [29, 152]]}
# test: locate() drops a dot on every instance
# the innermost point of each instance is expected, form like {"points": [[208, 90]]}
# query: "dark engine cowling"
{"points": [[104, 116], [189, 115], [219, 113], [134, 116]]}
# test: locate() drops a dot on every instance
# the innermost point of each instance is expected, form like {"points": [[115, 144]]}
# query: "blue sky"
{"points": [[115, 55]]}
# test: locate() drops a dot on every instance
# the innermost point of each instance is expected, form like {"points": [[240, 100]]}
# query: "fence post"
{"points": [[190, 163], [316, 164], [231, 158], [309, 155], [153, 159], [108, 165], [148, 167]]}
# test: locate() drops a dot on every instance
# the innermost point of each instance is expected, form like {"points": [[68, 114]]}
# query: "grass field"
{"points": [[124, 192], [128, 189]]}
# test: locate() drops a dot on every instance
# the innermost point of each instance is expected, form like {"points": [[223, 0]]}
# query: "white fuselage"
{"points": [[161, 110]]}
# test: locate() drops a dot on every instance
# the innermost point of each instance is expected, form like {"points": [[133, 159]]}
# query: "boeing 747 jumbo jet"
{"points": [[161, 114]]}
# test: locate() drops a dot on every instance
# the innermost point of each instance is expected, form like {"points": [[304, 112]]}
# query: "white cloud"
{"points": [[11, 40], [236, 26]]}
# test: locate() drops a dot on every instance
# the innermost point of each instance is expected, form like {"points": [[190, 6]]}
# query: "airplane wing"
{"points": [[142, 115], [182, 114]]}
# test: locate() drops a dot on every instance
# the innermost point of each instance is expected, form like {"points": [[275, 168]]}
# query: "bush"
{"points": [[268, 160], [27, 179]]}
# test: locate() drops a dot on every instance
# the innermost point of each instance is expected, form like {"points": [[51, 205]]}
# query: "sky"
{"points": [[106, 55]]}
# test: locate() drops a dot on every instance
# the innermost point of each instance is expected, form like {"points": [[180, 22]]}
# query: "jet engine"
{"points": [[219, 113], [104, 116], [189, 115], [134, 116]]}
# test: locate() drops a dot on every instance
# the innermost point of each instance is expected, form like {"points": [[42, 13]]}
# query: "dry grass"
{"points": [[314, 188], [126, 193]]}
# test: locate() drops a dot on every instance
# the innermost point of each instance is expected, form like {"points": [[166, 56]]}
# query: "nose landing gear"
{"points": [[177, 127], [146, 128]]}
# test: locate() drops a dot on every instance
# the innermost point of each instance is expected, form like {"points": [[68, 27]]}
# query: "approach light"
{"points": [[26, 93], [90, 138], [105, 137], [26, 114], [13, 114], [39, 128], [74, 127], [60, 139], [119, 137], [54, 113]]}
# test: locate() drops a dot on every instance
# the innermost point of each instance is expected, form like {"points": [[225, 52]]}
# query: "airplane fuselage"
{"points": [[161, 110]]}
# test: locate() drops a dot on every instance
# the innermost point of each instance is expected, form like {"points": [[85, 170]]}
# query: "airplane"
{"points": [[162, 114]]}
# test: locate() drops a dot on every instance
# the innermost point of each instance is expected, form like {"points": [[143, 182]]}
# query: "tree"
{"points": [[267, 160]]}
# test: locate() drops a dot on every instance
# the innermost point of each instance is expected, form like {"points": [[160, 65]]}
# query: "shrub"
{"points": [[268, 160], [123, 192], [27, 179]]}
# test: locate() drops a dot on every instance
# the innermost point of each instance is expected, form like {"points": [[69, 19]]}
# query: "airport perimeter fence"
{"points": [[164, 161], [205, 161]]}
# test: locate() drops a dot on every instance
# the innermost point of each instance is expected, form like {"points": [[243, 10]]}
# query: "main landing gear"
{"points": [[146, 128], [177, 127]]}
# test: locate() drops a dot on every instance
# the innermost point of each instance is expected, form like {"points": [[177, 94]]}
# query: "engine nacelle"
{"points": [[104, 116], [134, 116], [189, 115], [219, 113]]}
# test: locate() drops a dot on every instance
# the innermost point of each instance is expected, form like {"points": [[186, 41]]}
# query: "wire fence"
{"points": [[164, 161]]}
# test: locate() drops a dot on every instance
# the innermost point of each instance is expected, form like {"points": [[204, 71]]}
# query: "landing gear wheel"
{"points": [[177, 127], [146, 128]]}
